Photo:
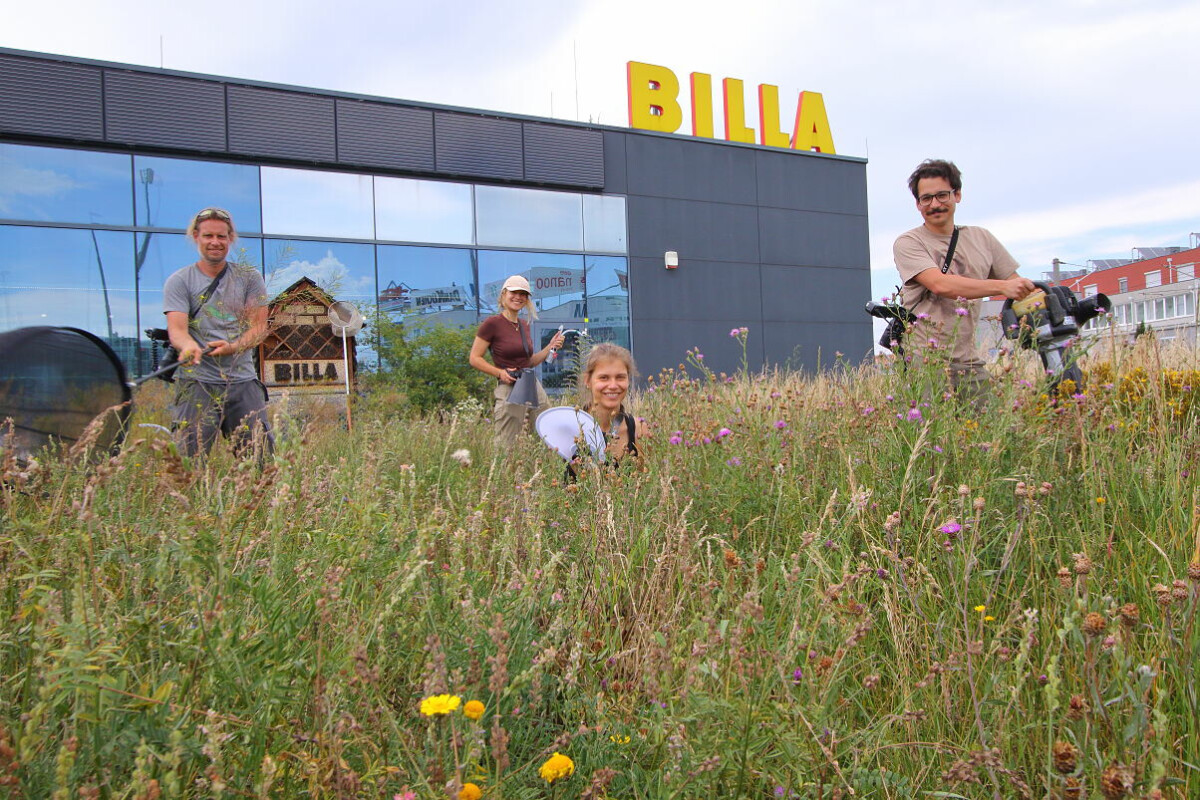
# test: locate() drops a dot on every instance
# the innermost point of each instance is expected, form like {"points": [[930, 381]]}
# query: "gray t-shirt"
{"points": [[225, 316]]}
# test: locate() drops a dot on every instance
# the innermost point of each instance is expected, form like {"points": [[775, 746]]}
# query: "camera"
{"points": [[898, 318], [1048, 320]]}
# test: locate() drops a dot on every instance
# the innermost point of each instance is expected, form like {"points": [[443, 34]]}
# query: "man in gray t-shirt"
{"points": [[215, 330]]}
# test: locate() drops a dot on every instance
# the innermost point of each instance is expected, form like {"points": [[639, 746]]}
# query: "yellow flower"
{"points": [[980, 609], [470, 792], [1101, 500], [557, 766], [473, 709], [618, 739], [989, 618], [439, 704]]}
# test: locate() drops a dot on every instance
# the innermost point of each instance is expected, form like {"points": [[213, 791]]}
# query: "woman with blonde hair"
{"points": [[510, 341], [607, 374]]}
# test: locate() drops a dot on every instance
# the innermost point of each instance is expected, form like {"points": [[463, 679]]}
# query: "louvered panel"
{"points": [[270, 123], [163, 110], [564, 155], [480, 147], [379, 135], [46, 98]]}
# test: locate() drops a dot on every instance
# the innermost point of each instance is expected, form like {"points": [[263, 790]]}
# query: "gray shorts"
{"points": [[237, 411]]}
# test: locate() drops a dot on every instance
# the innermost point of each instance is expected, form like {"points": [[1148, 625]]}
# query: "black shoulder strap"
{"points": [[631, 426], [207, 294], [950, 251]]}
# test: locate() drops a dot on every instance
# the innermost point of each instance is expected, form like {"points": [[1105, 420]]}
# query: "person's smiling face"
{"points": [[515, 299], [936, 201], [213, 240], [609, 383]]}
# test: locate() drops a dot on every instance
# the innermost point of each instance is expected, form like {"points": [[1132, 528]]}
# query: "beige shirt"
{"points": [[978, 255]]}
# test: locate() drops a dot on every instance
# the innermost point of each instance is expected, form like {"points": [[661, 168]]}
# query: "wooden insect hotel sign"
{"points": [[301, 351]]}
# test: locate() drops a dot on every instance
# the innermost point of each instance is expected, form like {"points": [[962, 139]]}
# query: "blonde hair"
{"points": [[600, 352], [530, 308], [204, 215]]}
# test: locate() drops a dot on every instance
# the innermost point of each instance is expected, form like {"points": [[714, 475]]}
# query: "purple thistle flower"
{"points": [[780, 424], [962, 312], [721, 434], [914, 414], [676, 438], [733, 333], [797, 675], [734, 462], [950, 527]]}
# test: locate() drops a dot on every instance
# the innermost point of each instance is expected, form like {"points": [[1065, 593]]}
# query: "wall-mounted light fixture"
{"points": [[671, 259]]}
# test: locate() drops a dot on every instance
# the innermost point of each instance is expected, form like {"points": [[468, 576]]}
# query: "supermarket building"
{"points": [[420, 211]]}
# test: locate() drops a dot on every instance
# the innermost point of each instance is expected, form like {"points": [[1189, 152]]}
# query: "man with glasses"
{"points": [[943, 292], [216, 315]]}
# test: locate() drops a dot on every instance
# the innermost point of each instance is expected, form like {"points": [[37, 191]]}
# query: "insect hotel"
{"points": [[302, 353]]}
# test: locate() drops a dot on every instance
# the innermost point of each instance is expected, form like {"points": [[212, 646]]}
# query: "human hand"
{"points": [[220, 347], [190, 354], [1016, 287], [506, 377], [557, 340]]}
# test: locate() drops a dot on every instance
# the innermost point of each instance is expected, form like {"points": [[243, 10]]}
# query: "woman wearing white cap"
{"points": [[510, 341]]}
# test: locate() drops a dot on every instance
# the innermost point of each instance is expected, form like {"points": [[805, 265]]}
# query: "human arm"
{"points": [[556, 341], [476, 360], [982, 267], [256, 317], [954, 286], [181, 338]]}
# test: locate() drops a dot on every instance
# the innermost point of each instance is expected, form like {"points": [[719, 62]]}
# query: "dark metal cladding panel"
{"points": [[565, 156], [50, 99], [271, 124], [164, 111], [480, 147], [615, 181], [379, 135]]}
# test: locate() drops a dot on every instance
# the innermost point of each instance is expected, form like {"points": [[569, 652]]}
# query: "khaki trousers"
{"points": [[510, 419]]}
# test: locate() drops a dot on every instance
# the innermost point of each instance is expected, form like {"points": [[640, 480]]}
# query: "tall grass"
{"points": [[812, 586]]}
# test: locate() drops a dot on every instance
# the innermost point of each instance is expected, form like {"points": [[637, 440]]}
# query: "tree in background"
{"points": [[428, 363]]}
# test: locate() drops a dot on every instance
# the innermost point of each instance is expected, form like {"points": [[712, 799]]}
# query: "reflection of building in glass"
{"points": [[418, 212]]}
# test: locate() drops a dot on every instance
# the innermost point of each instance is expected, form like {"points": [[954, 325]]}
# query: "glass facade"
{"points": [[88, 238]]}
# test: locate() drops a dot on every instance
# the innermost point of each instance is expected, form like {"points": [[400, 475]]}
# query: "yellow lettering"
{"points": [[812, 125], [653, 98], [735, 112], [702, 112], [768, 117]]}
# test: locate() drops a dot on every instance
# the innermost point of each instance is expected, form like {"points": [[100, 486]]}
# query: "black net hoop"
{"points": [[53, 383]]}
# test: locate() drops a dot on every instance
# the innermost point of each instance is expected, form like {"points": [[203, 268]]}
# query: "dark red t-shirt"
{"points": [[508, 351]]}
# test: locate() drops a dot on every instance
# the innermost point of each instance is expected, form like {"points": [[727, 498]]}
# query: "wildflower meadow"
{"points": [[833, 585]]}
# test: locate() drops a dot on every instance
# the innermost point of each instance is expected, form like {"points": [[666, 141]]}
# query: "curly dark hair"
{"points": [[935, 168]]}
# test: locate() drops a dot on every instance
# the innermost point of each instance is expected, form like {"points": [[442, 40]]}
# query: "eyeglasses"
{"points": [[927, 199], [214, 213]]}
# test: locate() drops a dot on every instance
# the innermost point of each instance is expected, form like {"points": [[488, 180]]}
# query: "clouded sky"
{"points": [[1074, 121]]}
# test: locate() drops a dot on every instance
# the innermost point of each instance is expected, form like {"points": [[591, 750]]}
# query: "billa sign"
{"points": [[654, 106], [301, 351]]}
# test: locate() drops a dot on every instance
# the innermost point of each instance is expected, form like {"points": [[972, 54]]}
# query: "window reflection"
{"points": [[297, 202], [607, 308], [427, 285], [74, 278], [604, 224], [49, 184], [423, 211], [169, 191], [346, 271], [508, 217]]}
